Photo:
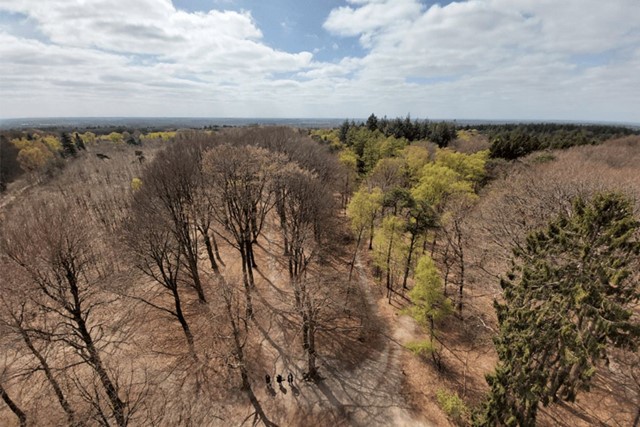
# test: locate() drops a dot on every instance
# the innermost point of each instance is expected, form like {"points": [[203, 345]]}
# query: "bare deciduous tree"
{"points": [[172, 180], [55, 247], [241, 195], [158, 255]]}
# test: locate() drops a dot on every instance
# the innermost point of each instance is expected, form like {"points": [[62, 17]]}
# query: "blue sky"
{"points": [[290, 25], [484, 59]]}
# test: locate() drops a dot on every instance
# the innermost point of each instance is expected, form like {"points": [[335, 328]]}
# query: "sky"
{"points": [[473, 59]]}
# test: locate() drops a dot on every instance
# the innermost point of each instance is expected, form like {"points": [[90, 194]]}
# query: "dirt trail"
{"points": [[369, 395]]}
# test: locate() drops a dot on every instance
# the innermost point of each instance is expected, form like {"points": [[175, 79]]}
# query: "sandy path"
{"points": [[369, 395]]}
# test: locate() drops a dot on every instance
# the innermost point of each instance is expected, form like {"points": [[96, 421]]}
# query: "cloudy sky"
{"points": [[482, 59]]}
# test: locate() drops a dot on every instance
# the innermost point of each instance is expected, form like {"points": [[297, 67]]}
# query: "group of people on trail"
{"points": [[279, 379]]}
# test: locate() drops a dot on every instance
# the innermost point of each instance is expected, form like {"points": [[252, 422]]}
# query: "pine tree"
{"points": [[68, 147], [567, 299], [79, 142]]}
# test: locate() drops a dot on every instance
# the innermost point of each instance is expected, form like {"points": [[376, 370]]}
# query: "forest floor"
{"points": [[363, 385]]}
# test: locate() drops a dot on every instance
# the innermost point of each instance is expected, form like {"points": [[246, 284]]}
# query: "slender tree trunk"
{"points": [[183, 322], [22, 417], [210, 254], [408, 264], [355, 254], [447, 269], [66, 407], [249, 262], [388, 262], [216, 249], [246, 386], [371, 233], [195, 275], [461, 285], [245, 281], [117, 405], [246, 383], [283, 222], [311, 351]]}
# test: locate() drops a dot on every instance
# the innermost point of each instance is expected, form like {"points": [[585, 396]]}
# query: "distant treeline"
{"points": [[440, 133], [510, 141]]}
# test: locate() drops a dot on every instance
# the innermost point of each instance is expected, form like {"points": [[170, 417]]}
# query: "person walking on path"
{"points": [[279, 379], [267, 378], [290, 378]]}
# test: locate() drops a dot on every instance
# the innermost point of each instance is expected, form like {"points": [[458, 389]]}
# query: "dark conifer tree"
{"points": [[79, 142], [567, 300], [68, 147]]}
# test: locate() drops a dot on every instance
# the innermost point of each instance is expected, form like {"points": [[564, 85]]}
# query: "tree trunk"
{"points": [[371, 233], [183, 323], [355, 254], [249, 262], [460, 253], [408, 265], [246, 383], [212, 259], [195, 275], [117, 405], [246, 386], [245, 281], [311, 352], [389, 291], [216, 249], [14, 407], [49, 375]]}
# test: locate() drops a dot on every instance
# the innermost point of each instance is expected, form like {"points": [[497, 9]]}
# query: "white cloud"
{"points": [[498, 58], [529, 59]]}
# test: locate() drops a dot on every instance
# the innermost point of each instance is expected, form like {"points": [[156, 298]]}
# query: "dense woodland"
{"points": [[406, 272]]}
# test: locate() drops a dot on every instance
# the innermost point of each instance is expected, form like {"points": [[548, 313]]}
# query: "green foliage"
{"points": [[362, 208], [568, 298], [513, 141], [453, 406], [470, 167], [34, 157], [427, 298], [136, 184], [79, 142], [115, 138], [162, 136], [9, 166], [416, 158], [438, 183], [544, 158], [68, 147], [388, 254], [422, 348]]}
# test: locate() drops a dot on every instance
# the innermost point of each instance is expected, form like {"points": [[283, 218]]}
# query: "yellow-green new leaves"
{"points": [[429, 302], [37, 152], [452, 174], [34, 157], [415, 157], [469, 166], [349, 159], [136, 184], [438, 183], [363, 207], [388, 254]]}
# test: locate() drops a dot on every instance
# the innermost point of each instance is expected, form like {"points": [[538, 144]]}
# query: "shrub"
{"points": [[453, 406]]}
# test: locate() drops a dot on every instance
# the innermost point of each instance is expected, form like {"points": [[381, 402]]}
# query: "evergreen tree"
{"points": [[344, 130], [79, 142], [567, 299], [68, 147], [372, 122]]}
